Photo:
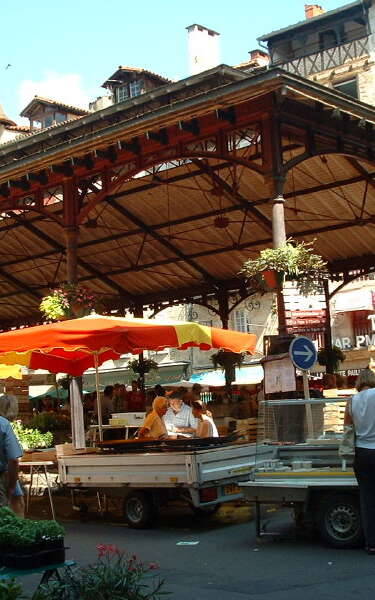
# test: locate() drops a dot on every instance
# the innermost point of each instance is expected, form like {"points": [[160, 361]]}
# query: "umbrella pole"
{"points": [[98, 402]]}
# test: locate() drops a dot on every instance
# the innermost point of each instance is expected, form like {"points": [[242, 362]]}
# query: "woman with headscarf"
{"points": [[154, 427], [206, 426]]}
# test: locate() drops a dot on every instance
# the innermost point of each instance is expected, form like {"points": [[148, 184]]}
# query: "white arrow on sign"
{"points": [[307, 353]]}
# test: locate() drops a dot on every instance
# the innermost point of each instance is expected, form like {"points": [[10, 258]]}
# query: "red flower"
{"points": [[153, 565], [102, 549]]}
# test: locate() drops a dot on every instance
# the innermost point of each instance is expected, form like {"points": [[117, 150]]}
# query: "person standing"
{"points": [[106, 404], [360, 411], [10, 452], [135, 398]]}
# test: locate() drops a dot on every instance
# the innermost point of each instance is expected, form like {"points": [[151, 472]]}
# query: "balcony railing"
{"points": [[328, 59]]}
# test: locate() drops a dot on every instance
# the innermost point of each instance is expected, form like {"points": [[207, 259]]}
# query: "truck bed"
{"points": [[155, 469]]}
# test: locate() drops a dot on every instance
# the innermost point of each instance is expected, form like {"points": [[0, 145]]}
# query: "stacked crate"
{"points": [[20, 389], [334, 417]]}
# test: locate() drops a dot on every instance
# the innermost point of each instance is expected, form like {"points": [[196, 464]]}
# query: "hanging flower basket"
{"points": [[142, 366], [331, 357], [294, 261], [68, 302], [273, 279], [228, 361]]}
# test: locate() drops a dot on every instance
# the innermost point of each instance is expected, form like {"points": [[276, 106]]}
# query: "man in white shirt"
{"points": [[179, 417]]}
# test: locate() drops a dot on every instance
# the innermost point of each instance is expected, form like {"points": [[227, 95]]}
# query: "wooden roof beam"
{"points": [[233, 195], [164, 242], [82, 263]]}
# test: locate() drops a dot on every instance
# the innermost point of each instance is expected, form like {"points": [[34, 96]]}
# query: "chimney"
{"points": [[203, 48], [259, 57], [313, 10]]}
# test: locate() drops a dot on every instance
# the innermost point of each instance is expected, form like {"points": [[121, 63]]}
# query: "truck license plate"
{"points": [[232, 489]]}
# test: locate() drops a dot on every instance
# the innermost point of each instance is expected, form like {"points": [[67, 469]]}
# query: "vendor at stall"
{"points": [[135, 399], [206, 426], [179, 416], [154, 427]]}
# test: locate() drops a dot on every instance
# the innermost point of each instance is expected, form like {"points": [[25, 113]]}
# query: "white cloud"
{"points": [[67, 88]]}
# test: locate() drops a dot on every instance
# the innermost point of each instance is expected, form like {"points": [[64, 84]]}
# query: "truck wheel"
{"points": [[139, 510], [339, 521]]}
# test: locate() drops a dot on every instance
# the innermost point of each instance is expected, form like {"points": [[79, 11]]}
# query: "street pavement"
{"points": [[228, 563]]}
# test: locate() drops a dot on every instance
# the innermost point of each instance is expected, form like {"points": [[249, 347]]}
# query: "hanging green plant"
{"points": [[68, 301], [143, 365], [294, 261], [228, 361], [331, 357]]}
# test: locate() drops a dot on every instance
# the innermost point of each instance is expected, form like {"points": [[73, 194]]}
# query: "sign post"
{"points": [[303, 354]]}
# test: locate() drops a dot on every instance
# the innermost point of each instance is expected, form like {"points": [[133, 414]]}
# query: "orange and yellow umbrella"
{"points": [[78, 344]]}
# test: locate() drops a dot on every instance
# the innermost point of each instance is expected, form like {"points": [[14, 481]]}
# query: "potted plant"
{"points": [[114, 576], [68, 301], [142, 366], [330, 358], [228, 361], [294, 261]]}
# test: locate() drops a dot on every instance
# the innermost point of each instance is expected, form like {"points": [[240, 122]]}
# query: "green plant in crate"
{"points": [[50, 530], [32, 438], [49, 421]]}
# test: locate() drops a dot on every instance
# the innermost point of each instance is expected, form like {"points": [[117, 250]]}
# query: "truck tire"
{"points": [[140, 511], [339, 521]]}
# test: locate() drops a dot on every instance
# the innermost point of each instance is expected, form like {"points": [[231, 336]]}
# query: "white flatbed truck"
{"points": [[205, 478]]}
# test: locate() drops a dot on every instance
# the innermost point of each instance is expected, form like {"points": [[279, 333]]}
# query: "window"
{"points": [[48, 120], [347, 87], [122, 93], [129, 90], [135, 88], [60, 117], [241, 321], [206, 323]]}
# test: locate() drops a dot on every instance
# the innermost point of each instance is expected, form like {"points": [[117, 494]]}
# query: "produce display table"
{"points": [[37, 468], [48, 571]]}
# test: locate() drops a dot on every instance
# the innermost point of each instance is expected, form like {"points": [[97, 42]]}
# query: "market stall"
{"points": [[75, 345]]}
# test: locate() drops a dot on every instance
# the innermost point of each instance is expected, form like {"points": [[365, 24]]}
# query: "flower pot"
{"points": [[273, 279]]}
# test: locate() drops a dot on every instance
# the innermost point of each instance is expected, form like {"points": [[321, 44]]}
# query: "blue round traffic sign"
{"points": [[303, 353]]}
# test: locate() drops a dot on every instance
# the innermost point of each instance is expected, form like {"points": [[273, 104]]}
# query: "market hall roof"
{"points": [[172, 189]]}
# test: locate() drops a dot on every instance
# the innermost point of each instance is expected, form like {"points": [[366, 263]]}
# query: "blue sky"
{"points": [[65, 50]]}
